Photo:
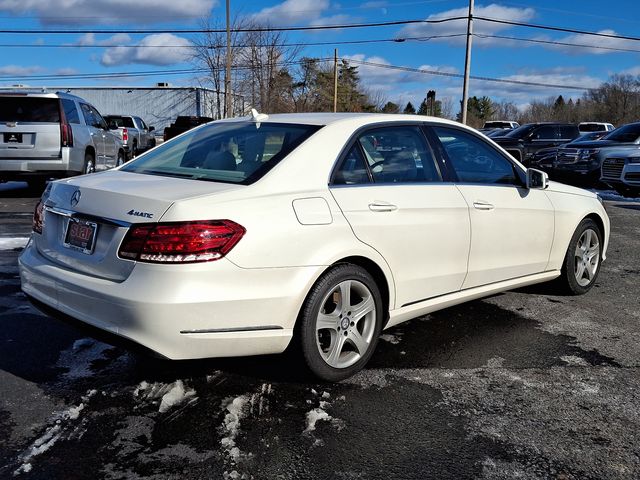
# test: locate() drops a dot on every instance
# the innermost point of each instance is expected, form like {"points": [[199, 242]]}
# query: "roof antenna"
{"points": [[258, 117]]}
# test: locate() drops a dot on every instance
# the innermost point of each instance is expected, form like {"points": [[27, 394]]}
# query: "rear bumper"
{"points": [[181, 312], [70, 162]]}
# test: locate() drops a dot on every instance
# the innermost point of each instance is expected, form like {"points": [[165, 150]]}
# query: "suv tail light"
{"points": [[125, 135], [66, 134], [38, 217], [180, 242]]}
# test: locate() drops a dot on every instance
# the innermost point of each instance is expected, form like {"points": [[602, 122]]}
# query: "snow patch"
{"points": [[574, 361], [61, 422], [495, 362], [13, 243], [391, 338], [79, 358], [314, 416], [167, 395]]}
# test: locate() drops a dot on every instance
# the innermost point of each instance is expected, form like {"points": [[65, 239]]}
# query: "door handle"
{"points": [[480, 205], [382, 207]]}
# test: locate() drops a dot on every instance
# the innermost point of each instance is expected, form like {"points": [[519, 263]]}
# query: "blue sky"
{"points": [[491, 57]]}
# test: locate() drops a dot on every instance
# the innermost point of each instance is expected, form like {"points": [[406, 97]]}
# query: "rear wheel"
{"points": [[582, 261], [89, 163], [37, 184], [120, 159], [340, 322]]}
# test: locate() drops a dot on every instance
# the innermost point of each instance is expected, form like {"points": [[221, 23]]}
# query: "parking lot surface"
{"points": [[526, 384]]}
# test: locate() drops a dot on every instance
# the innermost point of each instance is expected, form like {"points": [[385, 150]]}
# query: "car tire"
{"points": [[89, 164], [121, 158], [336, 340], [134, 149], [583, 259]]}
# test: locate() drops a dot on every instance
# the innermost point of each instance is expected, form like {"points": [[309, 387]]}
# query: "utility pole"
{"points": [[227, 76], [467, 64], [335, 80]]}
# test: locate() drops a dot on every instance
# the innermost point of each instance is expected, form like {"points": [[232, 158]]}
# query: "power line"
{"points": [[554, 42], [557, 29], [474, 77], [236, 30], [214, 47]]}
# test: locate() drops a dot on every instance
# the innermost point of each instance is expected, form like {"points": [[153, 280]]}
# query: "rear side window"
{"points": [[232, 152], [474, 160], [546, 132], [568, 131], [128, 122], [70, 111], [29, 109]]}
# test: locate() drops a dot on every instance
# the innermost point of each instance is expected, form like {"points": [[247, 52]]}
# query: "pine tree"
{"points": [[409, 109]]}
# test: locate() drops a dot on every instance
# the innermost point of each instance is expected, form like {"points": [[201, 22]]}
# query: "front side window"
{"points": [[474, 160], [232, 152]]}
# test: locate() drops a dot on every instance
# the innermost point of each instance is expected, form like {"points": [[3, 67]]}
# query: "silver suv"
{"points": [[53, 135]]}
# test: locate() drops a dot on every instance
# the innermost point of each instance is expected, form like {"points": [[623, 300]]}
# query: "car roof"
{"points": [[321, 118]]}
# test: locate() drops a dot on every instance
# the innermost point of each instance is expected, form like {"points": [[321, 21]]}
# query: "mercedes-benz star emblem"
{"points": [[75, 198]]}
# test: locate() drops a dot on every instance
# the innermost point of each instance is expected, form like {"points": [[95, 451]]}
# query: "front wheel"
{"points": [[583, 258], [340, 322]]}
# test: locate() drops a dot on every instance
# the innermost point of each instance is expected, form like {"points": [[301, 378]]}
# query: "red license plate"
{"points": [[81, 235]]}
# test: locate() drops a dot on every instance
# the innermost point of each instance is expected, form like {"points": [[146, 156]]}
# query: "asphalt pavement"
{"points": [[526, 384]]}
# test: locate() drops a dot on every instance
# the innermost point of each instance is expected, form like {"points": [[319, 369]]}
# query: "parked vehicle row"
{"points": [[183, 124], [591, 154]]}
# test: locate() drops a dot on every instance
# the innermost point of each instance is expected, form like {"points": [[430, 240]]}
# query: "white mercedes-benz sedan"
{"points": [[244, 236]]}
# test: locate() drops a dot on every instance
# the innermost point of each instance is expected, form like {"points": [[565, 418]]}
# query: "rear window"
{"points": [[119, 121], [29, 109], [238, 152]]}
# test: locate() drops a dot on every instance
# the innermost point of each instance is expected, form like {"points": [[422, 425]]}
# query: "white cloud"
{"points": [[389, 80], [593, 43], [66, 71], [156, 49], [90, 39], [460, 26], [17, 70], [69, 12], [291, 12]]}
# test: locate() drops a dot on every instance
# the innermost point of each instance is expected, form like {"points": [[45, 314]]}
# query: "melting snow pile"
{"points": [[62, 427], [314, 416], [167, 395], [236, 410], [12, 243]]}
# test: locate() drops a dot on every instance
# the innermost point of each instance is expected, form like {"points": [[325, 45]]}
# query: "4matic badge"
{"points": [[136, 213]]}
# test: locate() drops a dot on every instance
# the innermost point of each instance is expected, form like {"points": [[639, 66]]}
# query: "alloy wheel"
{"points": [[587, 257]]}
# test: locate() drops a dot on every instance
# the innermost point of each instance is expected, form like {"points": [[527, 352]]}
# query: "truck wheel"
{"points": [[120, 160], [37, 184], [134, 149]]}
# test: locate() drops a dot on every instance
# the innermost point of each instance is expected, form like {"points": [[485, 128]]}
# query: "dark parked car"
{"points": [[523, 142], [545, 159], [182, 124], [580, 163]]}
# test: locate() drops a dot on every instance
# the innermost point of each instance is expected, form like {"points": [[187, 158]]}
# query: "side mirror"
{"points": [[152, 128], [537, 179]]}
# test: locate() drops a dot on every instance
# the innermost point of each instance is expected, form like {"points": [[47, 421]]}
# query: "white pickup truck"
{"points": [[136, 136]]}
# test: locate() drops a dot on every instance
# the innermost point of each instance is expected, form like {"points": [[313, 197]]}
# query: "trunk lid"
{"points": [[108, 203], [29, 127]]}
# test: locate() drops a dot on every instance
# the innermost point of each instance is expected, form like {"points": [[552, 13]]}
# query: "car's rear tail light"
{"points": [[38, 217], [125, 135], [66, 134], [181, 242]]}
